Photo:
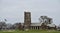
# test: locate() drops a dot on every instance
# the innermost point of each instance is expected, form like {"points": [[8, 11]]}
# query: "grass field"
{"points": [[30, 31]]}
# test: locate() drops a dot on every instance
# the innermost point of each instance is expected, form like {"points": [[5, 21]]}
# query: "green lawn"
{"points": [[30, 31]]}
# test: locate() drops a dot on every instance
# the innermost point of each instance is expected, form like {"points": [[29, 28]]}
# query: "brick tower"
{"points": [[27, 20]]}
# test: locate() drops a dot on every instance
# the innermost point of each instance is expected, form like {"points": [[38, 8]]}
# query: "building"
{"points": [[28, 25], [45, 23], [27, 20]]}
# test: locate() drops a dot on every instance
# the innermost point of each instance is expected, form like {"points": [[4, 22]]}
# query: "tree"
{"points": [[2, 25], [44, 20]]}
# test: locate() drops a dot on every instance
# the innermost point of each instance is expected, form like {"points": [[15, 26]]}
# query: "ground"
{"points": [[30, 31]]}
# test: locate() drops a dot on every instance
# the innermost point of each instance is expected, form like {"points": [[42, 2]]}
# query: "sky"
{"points": [[13, 10]]}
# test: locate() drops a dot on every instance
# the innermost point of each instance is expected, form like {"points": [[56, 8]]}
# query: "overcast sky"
{"points": [[13, 10]]}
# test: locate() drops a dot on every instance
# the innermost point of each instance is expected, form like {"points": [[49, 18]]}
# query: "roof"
{"points": [[51, 25], [39, 24], [35, 24]]}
